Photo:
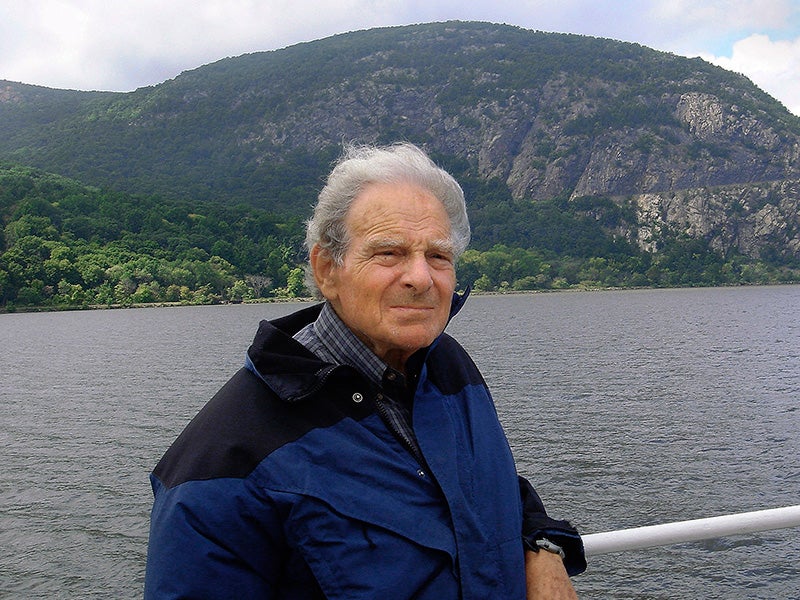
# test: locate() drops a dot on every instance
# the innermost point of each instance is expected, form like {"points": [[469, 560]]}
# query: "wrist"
{"points": [[562, 535]]}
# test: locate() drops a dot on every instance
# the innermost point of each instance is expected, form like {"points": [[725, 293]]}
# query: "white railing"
{"points": [[690, 531]]}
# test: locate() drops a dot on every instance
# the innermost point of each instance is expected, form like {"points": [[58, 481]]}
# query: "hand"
{"points": [[546, 577]]}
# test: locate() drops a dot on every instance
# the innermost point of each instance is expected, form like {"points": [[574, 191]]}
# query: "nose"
{"points": [[417, 274]]}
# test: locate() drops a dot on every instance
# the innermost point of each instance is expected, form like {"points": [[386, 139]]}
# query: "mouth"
{"points": [[413, 308], [414, 305]]}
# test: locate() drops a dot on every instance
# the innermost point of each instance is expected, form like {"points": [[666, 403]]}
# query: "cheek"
{"points": [[362, 301], [446, 282]]}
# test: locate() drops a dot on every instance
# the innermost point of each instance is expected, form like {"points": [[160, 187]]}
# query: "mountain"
{"points": [[651, 145]]}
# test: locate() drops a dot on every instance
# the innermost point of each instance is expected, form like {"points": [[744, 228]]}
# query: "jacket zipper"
{"points": [[400, 435]]}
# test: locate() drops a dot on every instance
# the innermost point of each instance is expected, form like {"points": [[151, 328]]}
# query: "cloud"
{"points": [[120, 45], [773, 65], [723, 15]]}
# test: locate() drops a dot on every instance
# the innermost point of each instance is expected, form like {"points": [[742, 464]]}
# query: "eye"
{"points": [[441, 259], [387, 256], [384, 252]]}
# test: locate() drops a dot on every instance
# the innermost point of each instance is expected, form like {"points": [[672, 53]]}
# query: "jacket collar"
{"points": [[458, 302], [287, 367]]}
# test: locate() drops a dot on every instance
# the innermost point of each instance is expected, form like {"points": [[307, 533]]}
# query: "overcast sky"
{"points": [[120, 45]]}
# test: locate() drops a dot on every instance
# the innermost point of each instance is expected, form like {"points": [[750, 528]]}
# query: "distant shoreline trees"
{"points": [[64, 245]]}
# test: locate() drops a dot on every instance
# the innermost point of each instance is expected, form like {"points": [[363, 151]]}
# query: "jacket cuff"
{"points": [[562, 534], [537, 525]]}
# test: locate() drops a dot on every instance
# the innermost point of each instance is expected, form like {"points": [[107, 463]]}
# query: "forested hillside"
{"points": [[586, 162], [70, 245], [546, 114]]}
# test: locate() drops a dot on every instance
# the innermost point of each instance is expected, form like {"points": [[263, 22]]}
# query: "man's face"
{"points": [[396, 282]]}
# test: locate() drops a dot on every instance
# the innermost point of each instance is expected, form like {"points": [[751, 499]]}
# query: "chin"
{"points": [[421, 341]]}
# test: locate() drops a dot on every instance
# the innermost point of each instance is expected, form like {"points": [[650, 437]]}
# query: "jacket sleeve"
{"points": [[537, 525], [209, 539]]}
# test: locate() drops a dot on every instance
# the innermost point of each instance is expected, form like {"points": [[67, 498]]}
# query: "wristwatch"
{"points": [[546, 544]]}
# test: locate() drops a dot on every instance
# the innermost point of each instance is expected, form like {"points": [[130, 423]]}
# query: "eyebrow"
{"points": [[445, 245]]}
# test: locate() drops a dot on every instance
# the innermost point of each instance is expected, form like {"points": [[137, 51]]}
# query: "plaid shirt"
{"points": [[332, 341]]}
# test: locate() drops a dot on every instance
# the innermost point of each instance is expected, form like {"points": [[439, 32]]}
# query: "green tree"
{"points": [[295, 283], [30, 225], [240, 291]]}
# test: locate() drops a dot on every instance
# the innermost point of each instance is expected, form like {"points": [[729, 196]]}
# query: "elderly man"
{"points": [[358, 454]]}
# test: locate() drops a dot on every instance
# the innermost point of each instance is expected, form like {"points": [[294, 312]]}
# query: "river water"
{"points": [[623, 408]]}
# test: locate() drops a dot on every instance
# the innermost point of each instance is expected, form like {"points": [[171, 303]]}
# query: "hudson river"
{"points": [[624, 409]]}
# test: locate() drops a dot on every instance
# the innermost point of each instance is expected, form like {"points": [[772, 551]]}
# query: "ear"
{"points": [[324, 268]]}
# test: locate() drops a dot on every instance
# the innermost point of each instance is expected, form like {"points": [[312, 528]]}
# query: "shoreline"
{"points": [[67, 308]]}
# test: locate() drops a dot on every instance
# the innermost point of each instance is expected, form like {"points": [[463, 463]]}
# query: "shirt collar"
{"points": [[344, 347]]}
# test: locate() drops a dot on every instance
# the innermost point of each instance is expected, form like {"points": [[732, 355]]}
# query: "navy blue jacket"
{"points": [[288, 484]]}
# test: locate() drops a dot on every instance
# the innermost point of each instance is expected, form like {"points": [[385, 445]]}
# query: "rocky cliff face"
{"points": [[760, 220], [703, 166], [699, 152]]}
